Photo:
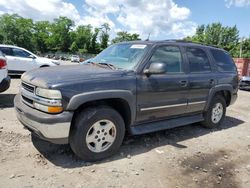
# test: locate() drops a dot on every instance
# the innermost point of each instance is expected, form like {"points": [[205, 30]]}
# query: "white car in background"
{"points": [[4, 78], [75, 58], [21, 60]]}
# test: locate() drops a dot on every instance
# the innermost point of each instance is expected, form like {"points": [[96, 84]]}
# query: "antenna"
{"points": [[148, 37]]}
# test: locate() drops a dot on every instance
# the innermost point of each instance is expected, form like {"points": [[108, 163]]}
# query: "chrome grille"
{"points": [[28, 87]]}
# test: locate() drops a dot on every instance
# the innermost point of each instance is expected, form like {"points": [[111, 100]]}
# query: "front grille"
{"points": [[27, 100], [28, 87]]}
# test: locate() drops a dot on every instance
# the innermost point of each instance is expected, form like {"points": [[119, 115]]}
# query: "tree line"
{"points": [[62, 35], [59, 35], [224, 37]]}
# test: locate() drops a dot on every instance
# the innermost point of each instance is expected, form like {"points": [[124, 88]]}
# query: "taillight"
{"points": [[3, 64]]}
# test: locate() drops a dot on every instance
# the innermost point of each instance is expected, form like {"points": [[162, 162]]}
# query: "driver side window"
{"points": [[171, 56], [20, 53]]}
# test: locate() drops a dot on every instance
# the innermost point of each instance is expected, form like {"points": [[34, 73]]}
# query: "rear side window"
{"points": [[198, 60], [20, 53], [6, 51], [223, 61]]}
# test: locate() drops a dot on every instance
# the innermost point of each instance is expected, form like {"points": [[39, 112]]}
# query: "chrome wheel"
{"points": [[101, 136], [217, 113]]}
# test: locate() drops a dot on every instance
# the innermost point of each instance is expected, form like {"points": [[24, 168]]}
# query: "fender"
{"points": [[77, 100], [213, 90]]}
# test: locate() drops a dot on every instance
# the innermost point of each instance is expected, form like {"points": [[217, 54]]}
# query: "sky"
{"points": [[163, 19]]}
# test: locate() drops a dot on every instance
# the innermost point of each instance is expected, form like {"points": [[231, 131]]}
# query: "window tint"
{"points": [[6, 51], [170, 55], [223, 61], [198, 60], [20, 53]]}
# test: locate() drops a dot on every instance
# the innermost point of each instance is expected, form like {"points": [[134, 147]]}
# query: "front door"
{"points": [[160, 96]]}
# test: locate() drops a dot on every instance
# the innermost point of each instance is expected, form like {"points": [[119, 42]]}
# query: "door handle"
{"points": [[183, 83]]}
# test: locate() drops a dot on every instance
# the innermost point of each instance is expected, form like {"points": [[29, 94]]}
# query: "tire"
{"points": [[85, 124], [213, 121]]}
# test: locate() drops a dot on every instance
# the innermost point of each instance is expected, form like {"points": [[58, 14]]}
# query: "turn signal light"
{"points": [[55, 109]]}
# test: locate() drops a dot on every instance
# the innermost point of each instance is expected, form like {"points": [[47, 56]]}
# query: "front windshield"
{"points": [[122, 56]]}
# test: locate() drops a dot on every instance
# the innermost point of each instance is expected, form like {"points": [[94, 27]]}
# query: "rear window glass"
{"points": [[223, 61]]}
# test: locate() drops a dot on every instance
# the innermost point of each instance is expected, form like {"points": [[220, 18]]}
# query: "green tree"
{"points": [[60, 34], [16, 30], [83, 37], [218, 35], [125, 36], [74, 47], [41, 35], [104, 38]]}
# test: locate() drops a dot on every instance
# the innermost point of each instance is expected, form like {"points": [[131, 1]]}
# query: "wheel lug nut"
{"points": [[99, 140], [103, 130], [98, 132], [103, 138], [96, 137], [105, 133]]}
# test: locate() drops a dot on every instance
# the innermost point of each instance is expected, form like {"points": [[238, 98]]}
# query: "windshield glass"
{"points": [[122, 56]]}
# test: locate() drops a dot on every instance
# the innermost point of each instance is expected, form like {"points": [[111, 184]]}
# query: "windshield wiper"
{"points": [[111, 66]]}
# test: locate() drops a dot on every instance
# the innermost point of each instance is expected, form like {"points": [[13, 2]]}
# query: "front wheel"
{"points": [[215, 114], [97, 133]]}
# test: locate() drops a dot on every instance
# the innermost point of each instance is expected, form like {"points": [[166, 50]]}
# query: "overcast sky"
{"points": [[164, 19]]}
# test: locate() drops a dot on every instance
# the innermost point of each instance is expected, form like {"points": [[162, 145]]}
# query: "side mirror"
{"points": [[31, 56], [156, 68]]}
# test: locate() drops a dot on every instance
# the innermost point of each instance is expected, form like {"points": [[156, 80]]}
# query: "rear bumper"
{"points": [[53, 128], [5, 84]]}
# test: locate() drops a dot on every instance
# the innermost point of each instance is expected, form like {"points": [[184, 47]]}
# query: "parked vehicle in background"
{"points": [[245, 83], [139, 87], [75, 58], [4, 78], [21, 60]]}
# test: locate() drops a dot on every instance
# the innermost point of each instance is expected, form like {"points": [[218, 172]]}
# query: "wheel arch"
{"points": [[225, 90], [121, 101]]}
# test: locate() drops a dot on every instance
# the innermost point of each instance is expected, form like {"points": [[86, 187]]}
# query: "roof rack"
{"points": [[187, 41]]}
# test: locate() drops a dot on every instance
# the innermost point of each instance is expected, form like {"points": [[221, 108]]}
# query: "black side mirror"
{"points": [[156, 68], [32, 57]]}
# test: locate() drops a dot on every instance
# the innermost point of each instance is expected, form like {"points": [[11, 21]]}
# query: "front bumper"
{"points": [[5, 84], [244, 85], [51, 127]]}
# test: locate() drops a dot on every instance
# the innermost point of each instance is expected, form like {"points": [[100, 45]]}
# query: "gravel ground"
{"points": [[188, 156]]}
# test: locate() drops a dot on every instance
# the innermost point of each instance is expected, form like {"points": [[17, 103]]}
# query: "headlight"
{"points": [[48, 93]]}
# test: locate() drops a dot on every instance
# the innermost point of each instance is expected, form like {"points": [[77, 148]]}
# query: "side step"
{"points": [[166, 124]]}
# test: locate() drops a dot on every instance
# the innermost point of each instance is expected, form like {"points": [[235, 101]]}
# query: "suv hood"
{"points": [[46, 77]]}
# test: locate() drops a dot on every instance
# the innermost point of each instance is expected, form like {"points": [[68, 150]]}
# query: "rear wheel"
{"points": [[215, 113], [98, 132]]}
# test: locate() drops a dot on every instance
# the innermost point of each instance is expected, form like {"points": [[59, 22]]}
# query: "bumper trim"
{"points": [[53, 128]]}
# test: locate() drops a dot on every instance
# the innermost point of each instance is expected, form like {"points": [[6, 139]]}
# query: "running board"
{"points": [[166, 124]]}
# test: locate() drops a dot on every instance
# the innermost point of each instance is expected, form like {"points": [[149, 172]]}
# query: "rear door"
{"points": [[201, 78], [161, 96]]}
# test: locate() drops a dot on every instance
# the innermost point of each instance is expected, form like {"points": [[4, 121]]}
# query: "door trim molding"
{"points": [[162, 107], [198, 102]]}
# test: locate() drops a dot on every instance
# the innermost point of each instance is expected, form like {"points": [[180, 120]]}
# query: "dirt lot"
{"points": [[188, 156]]}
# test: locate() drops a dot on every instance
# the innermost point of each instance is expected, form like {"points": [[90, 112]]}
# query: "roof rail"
{"points": [[187, 41]]}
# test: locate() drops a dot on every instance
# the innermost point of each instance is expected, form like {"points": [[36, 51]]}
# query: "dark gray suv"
{"points": [[138, 87]]}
